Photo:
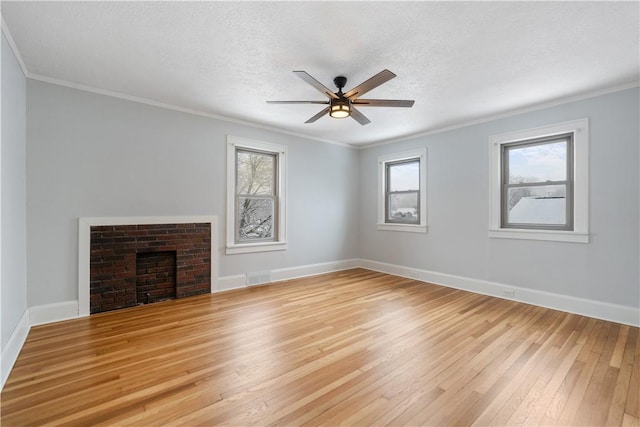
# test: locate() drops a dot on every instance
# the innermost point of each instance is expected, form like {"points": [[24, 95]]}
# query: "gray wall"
{"points": [[13, 285], [92, 155], [458, 208]]}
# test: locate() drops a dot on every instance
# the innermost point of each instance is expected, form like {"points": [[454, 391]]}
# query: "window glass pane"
{"points": [[403, 208], [255, 173], [404, 176], [538, 163], [256, 218], [538, 205]]}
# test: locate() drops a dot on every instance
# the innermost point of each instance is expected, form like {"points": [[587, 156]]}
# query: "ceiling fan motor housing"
{"points": [[340, 82]]}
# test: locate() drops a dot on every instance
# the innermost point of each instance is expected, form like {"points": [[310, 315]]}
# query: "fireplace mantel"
{"points": [[84, 247]]}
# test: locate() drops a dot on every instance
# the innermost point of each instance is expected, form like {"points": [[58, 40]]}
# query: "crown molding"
{"points": [[140, 100], [12, 44], [510, 113]]}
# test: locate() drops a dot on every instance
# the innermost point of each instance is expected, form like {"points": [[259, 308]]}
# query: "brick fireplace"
{"points": [[131, 264]]}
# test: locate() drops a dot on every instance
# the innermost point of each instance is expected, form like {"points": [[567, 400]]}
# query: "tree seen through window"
{"points": [[255, 195]]}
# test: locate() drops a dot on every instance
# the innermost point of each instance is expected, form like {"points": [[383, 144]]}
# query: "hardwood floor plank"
{"points": [[618, 352], [620, 393], [353, 348], [633, 399], [630, 421], [587, 409]]}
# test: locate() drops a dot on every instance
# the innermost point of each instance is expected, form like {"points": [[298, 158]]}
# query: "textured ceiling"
{"points": [[460, 61]]}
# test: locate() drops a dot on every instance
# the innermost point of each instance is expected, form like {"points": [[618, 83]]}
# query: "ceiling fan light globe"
{"points": [[340, 110]]}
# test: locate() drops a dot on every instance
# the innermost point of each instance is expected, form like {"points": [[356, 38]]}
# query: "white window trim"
{"points": [[382, 161], [580, 233], [280, 242]]}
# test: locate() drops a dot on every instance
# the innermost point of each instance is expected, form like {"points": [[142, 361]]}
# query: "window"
{"points": [[402, 192], [539, 183], [255, 196], [402, 186]]}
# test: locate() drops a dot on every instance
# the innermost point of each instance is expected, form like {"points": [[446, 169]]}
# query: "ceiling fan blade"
{"points": [[317, 116], [313, 82], [372, 83], [359, 117], [383, 103], [297, 102]]}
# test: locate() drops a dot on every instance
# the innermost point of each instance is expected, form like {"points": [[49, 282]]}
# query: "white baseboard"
{"points": [[600, 310], [238, 281], [227, 283], [12, 349], [56, 312], [312, 269]]}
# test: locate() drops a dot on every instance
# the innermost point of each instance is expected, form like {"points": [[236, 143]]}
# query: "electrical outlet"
{"points": [[508, 293]]}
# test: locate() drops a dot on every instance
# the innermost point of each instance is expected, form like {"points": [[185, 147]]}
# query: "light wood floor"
{"points": [[349, 348]]}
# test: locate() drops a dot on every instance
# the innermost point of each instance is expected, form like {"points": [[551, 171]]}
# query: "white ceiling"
{"points": [[460, 61]]}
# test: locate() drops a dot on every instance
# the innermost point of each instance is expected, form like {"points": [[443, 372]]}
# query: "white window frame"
{"points": [[421, 155], [580, 233], [280, 242]]}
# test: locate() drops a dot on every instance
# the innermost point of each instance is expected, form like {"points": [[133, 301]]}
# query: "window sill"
{"points": [[256, 247], [549, 235], [410, 228]]}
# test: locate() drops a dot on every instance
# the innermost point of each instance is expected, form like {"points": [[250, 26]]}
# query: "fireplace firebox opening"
{"points": [[155, 276]]}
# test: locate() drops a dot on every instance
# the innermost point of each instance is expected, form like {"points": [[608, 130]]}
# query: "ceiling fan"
{"points": [[341, 105]]}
